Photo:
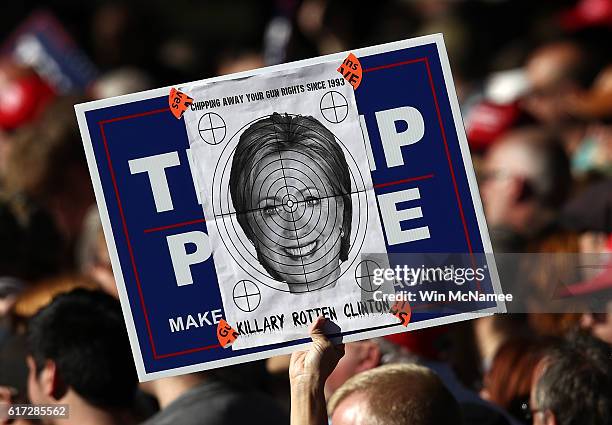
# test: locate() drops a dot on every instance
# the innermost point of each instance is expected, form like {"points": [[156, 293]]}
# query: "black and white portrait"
{"points": [[282, 170], [291, 189]]}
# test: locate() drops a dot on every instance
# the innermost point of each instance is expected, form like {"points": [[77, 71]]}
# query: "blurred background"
{"points": [[534, 81]]}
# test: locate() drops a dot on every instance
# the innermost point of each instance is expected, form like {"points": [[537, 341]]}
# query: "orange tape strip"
{"points": [[179, 102], [351, 70], [402, 311], [226, 334]]}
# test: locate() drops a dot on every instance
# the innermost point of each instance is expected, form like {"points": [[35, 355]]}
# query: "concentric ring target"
{"points": [[292, 209]]}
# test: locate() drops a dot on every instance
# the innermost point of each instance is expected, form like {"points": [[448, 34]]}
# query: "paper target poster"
{"points": [[288, 199], [274, 198]]}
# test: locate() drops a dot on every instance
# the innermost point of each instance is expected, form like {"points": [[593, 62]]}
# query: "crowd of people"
{"points": [[534, 82]]}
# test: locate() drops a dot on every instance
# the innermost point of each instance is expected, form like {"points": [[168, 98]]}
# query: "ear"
{"points": [[7, 394], [587, 320], [51, 381], [6, 399], [369, 356], [549, 418]]}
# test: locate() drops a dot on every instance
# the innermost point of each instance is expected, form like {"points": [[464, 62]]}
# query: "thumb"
{"points": [[316, 331]]}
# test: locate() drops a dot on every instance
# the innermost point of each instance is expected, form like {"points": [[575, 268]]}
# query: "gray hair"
{"points": [[576, 385]]}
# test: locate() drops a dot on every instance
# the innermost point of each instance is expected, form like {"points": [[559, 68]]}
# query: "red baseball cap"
{"points": [[587, 13], [23, 95]]}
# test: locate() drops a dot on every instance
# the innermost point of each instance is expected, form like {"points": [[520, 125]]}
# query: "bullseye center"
{"points": [[290, 203]]}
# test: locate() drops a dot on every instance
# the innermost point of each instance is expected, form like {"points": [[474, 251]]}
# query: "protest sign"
{"points": [[42, 43], [238, 209]]}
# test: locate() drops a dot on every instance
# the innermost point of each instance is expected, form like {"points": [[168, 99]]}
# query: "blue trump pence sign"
{"points": [[181, 221]]}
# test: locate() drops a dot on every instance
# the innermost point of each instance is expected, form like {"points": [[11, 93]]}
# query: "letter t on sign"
{"points": [[155, 166]]}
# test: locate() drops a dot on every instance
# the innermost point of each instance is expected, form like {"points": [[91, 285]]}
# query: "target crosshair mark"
{"points": [[212, 128], [366, 279], [246, 295], [334, 107]]}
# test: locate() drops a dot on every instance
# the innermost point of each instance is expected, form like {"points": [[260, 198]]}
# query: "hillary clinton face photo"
{"points": [[290, 186]]}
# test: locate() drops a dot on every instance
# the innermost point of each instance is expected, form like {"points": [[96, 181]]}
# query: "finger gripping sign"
{"points": [[351, 70], [232, 229]]}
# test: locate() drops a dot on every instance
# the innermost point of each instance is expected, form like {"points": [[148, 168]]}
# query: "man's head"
{"points": [[358, 357], [398, 394], [78, 344], [572, 384], [555, 71], [524, 173], [364, 355]]}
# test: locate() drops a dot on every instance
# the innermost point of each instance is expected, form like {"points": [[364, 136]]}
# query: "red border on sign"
{"points": [[127, 235], [170, 226]]}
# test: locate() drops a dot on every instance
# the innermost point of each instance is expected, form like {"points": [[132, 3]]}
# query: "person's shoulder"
{"points": [[216, 404], [254, 408], [196, 406]]}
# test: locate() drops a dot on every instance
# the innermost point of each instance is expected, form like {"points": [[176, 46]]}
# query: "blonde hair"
{"points": [[400, 394]]}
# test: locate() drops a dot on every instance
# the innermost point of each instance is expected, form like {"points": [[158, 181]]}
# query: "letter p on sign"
{"points": [[182, 260]]}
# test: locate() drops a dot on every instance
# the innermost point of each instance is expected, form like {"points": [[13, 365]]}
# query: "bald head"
{"points": [[398, 394]]}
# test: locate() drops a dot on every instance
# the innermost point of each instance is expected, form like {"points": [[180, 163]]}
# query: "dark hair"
{"points": [[290, 132], [32, 247], [576, 385], [83, 332], [556, 173]]}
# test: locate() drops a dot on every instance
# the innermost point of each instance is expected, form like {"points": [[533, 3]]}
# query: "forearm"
{"points": [[308, 404]]}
